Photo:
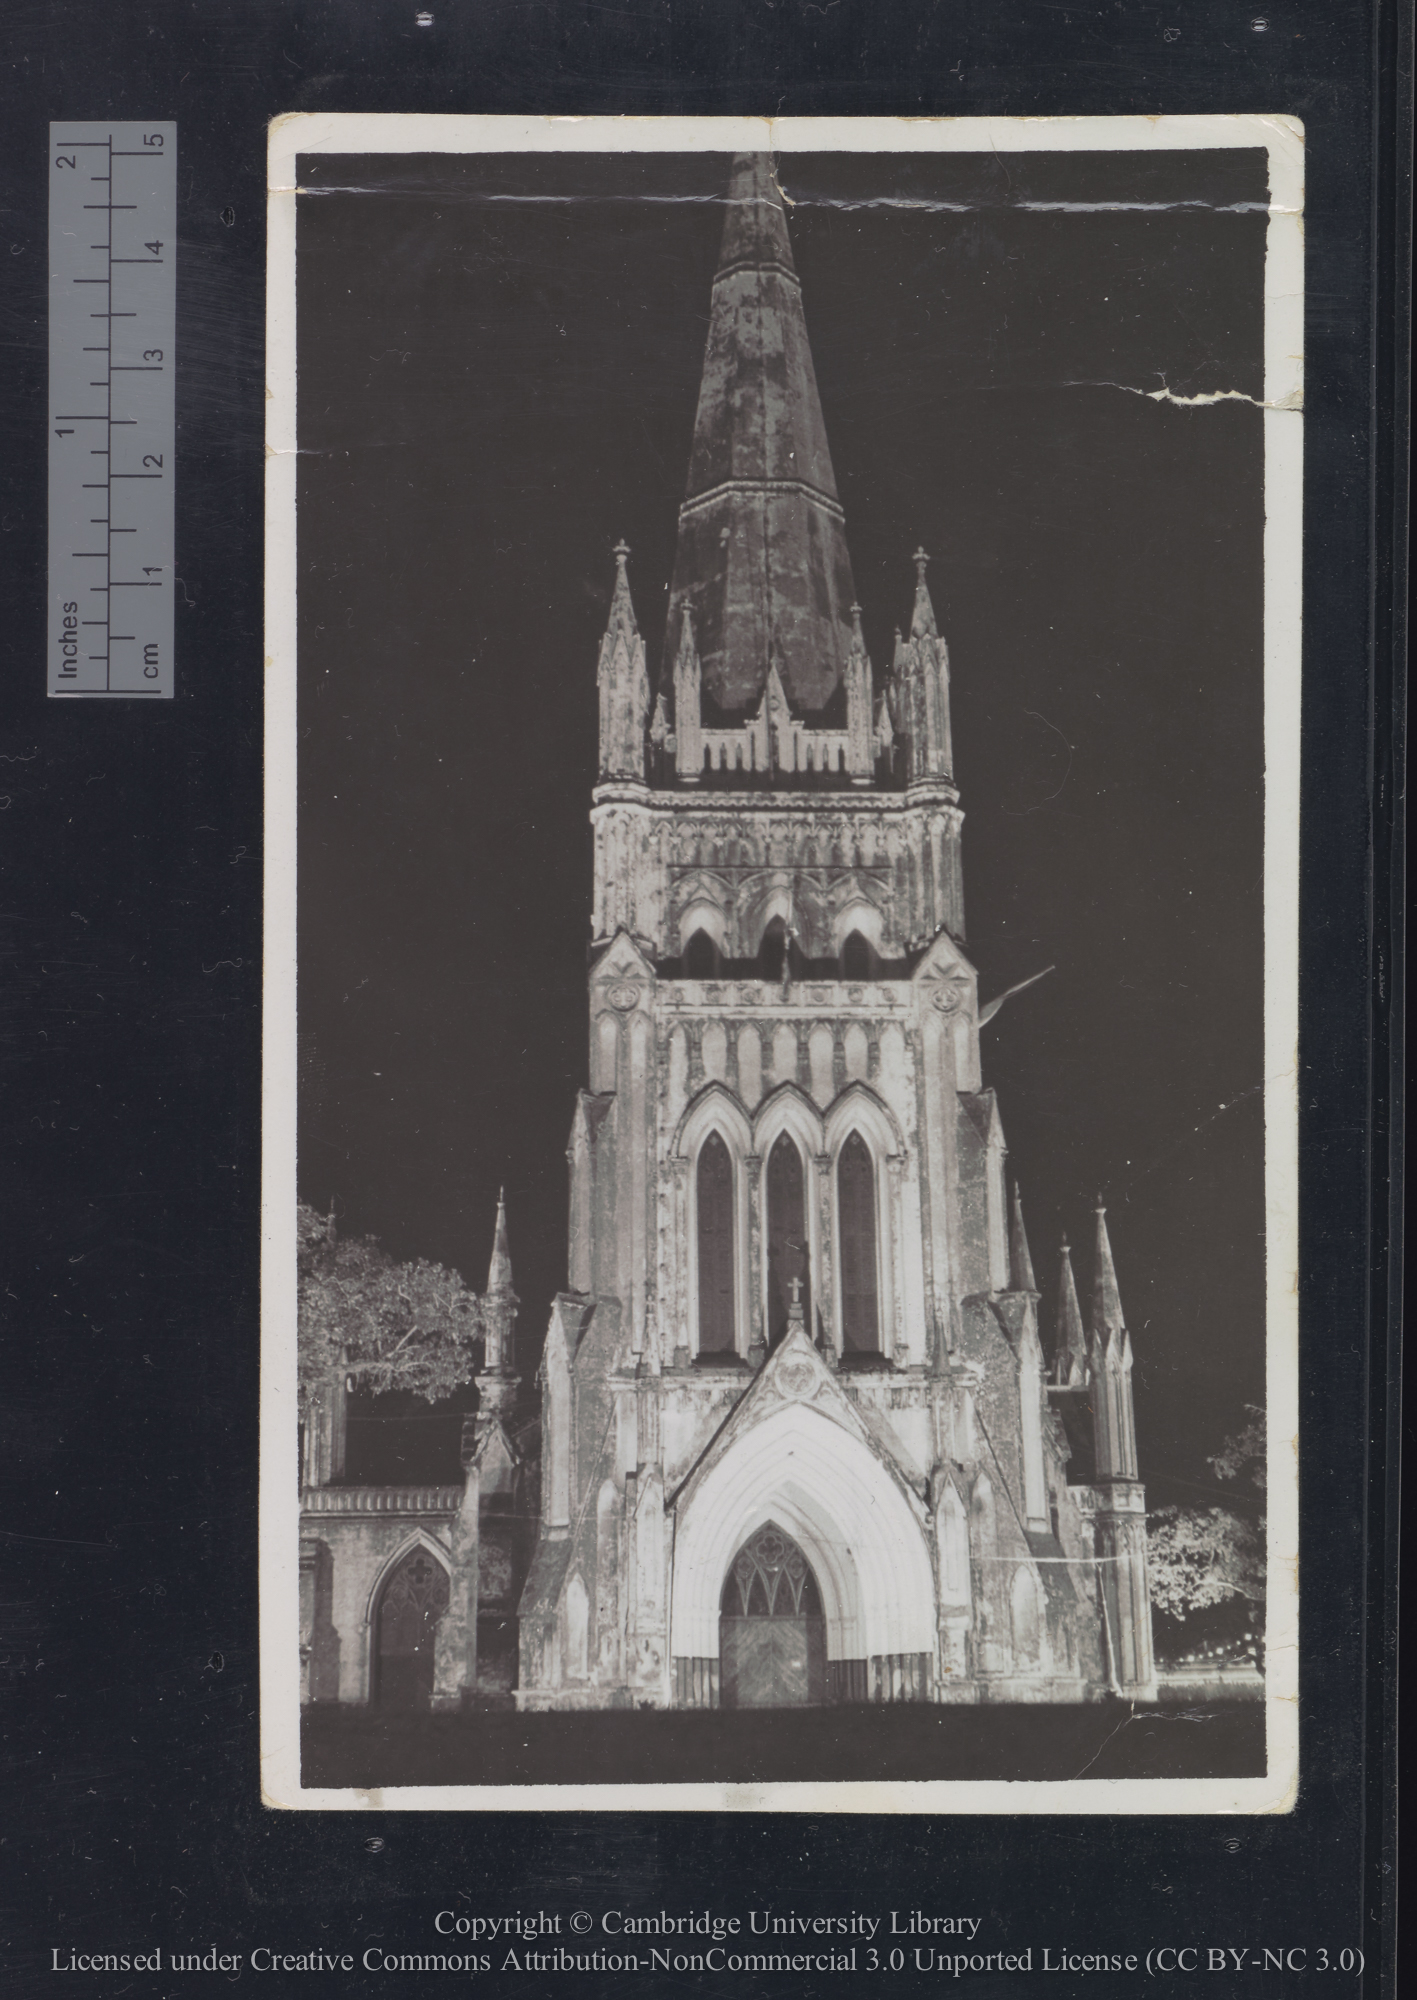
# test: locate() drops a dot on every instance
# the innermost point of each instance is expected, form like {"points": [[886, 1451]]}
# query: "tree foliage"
{"points": [[377, 1324], [1200, 1556], [1244, 1453]]}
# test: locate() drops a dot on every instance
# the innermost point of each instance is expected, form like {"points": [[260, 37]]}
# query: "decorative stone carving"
{"points": [[950, 992], [797, 1379]]}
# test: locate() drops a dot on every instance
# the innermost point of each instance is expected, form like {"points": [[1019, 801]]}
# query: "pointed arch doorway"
{"points": [[771, 1627], [413, 1599]]}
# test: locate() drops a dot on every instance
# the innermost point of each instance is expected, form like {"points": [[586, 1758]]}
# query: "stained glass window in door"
{"points": [[772, 1632]]}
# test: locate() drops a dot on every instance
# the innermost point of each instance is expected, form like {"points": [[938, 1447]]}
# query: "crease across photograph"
{"points": [[779, 1279]]}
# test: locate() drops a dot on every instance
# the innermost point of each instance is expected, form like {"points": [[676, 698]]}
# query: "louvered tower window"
{"points": [[772, 952], [856, 958], [701, 957]]}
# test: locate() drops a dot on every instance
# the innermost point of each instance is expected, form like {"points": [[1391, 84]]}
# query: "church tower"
{"points": [[799, 1439]]}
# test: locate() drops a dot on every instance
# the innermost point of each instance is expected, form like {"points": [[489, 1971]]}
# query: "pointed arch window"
{"points": [[716, 1260], [701, 957], [772, 1633], [787, 1237], [856, 1209], [857, 958], [772, 952]]}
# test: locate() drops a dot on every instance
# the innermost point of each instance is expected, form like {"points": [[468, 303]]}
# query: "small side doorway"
{"points": [[412, 1601], [772, 1633]]}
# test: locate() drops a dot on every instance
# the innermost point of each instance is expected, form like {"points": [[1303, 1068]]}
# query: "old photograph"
{"points": [[781, 971]]}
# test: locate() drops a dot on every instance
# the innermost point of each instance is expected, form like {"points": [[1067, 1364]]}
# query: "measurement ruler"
{"points": [[112, 319]]}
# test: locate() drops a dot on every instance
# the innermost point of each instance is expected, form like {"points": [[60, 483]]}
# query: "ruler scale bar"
{"points": [[135, 269]]}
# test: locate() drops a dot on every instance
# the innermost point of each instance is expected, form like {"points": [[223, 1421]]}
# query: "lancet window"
{"points": [[787, 1237], [860, 1273], [715, 1246]]}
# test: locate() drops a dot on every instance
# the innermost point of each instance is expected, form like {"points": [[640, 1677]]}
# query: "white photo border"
{"points": [[1282, 138]]}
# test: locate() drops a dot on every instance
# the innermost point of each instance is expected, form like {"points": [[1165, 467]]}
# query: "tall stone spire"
{"points": [[762, 561], [623, 681], [1069, 1343]]}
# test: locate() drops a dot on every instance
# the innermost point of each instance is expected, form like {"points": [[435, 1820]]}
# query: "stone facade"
{"points": [[408, 1594], [801, 1315]]}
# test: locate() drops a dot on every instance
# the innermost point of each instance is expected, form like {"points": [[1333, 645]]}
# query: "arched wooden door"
{"points": [[413, 1599], [772, 1634]]}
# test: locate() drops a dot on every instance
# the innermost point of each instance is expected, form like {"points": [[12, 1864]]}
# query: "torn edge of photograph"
{"points": [[801, 1438]]}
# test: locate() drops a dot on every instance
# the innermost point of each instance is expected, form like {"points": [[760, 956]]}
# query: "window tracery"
{"points": [[770, 1578]]}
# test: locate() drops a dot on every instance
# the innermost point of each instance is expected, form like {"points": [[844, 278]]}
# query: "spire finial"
{"points": [[623, 604], [922, 615], [1020, 1260], [1069, 1342], [499, 1271], [621, 622], [1106, 1299]]}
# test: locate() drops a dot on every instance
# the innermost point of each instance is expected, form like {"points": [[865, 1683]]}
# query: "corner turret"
{"points": [[1110, 1363], [497, 1380], [624, 683], [920, 690], [1119, 1518]]}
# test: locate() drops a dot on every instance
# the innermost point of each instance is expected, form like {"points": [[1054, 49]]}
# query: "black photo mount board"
{"points": [[132, 1101]]}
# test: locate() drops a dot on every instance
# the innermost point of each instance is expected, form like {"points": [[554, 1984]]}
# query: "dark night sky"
{"points": [[498, 366]]}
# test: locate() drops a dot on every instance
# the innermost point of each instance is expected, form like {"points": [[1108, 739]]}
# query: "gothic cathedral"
{"points": [[799, 1441]]}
